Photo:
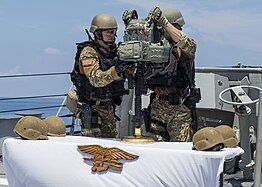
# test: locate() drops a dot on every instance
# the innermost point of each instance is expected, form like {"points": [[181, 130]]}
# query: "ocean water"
{"points": [[31, 104]]}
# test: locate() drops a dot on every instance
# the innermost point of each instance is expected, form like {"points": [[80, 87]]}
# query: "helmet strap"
{"points": [[104, 47], [177, 26], [98, 35]]}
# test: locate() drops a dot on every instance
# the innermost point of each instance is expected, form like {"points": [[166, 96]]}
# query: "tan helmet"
{"points": [[31, 128], [56, 126], [229, 135], [103, 21], [206, 139], [173, 15]]}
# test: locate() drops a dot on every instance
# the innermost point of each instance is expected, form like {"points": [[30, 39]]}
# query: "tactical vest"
{"points": [[179, 79], [86, 91]]}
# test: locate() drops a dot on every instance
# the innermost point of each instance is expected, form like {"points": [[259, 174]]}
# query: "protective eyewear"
{"points": [[109, 32]]}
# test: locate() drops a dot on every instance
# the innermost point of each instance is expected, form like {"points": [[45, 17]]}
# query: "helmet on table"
{"points": [[31, 128], [208, 139], [56, 126]]}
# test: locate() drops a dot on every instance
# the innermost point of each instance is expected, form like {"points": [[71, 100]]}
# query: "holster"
{"points": [[190, 102], [194, 97], [88, 118], [147, 118]]}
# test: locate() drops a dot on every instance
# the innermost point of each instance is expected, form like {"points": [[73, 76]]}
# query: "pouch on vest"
{"points": [[71, 101]]}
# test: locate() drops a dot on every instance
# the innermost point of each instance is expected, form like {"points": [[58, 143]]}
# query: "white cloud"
{"points": [[52, 51]]}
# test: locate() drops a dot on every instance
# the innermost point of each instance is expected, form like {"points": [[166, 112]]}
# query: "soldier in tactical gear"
{"points": [[99, 78], [170, 111]]}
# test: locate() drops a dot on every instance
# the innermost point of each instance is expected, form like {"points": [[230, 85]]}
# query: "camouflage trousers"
{"points": [[106, 126], [176, 118]]}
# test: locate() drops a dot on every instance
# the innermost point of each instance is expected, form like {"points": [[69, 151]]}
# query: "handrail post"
{"points": [[258, 161]]}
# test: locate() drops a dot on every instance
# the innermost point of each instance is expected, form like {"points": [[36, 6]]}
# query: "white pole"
{"points": [[259, 145], [60, 108]]}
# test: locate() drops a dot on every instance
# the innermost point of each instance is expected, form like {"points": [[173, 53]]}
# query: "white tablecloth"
{"points": [[57, 163]]}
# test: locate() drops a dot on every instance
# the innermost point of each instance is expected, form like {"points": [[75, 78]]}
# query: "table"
{"points": [[57, 163]]}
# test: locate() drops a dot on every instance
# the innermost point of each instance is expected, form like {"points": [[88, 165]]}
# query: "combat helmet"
{"points": [[207, 139], [31, 128], [56, 126], [173, 15], [229, 135], [103, 21]]}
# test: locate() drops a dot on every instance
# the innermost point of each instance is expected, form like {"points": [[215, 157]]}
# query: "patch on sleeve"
{"points": [[87, 62]]}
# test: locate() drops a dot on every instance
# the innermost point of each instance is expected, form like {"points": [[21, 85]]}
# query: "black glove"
{"points": [[122, 66], [128, 15], [156, 14]]}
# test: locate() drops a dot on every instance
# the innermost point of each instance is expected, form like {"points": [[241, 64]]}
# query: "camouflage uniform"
{"points": [[90, 67], [175, 119], [106, 120]]}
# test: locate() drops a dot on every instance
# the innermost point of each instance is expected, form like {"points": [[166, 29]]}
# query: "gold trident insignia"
{"points": [[105, 158]]}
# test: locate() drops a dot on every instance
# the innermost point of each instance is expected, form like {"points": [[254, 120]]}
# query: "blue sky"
{"points": [[39, 36]]}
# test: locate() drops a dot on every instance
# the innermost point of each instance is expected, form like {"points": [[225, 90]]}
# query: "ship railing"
{"points": [[233, 69], [60, 106]]}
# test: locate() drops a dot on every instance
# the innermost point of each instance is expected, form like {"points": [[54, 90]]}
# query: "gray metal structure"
{"points": [[7, 124], [30, 113], [210, 109], [237, 77], [243, 111]]}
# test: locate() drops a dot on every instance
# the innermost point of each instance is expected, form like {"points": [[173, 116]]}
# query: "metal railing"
{"points": [[34, 75], [230, 70], [60, 107]]}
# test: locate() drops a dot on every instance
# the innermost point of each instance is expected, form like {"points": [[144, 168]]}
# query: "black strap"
{"points": [[190, 73]]}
